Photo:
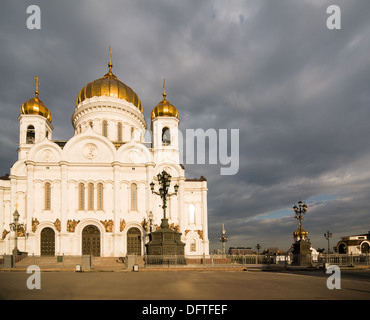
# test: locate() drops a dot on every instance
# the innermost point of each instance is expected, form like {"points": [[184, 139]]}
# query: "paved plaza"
{"points": [[187, 285]]}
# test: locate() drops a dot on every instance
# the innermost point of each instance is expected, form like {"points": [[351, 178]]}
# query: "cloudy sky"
{"points": [[297, 92]]}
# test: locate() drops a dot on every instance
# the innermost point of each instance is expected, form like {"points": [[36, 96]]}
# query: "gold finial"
{"points": [[37, 86], [16, 206], [164, 89], [110, 64]]}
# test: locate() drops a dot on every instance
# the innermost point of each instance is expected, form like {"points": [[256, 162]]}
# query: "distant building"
{"points": [[356, 244], [240, 251]]}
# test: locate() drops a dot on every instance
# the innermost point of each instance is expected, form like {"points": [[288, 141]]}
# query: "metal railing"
{"points": [[195, 261], [283, 260]]}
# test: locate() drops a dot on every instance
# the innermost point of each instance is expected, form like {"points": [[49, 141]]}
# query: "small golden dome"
{"points": [[36, 106], [110, 86], [296, 233], [164, 108]]}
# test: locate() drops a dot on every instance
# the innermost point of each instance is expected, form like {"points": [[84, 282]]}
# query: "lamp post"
{"points": [[16, 226], [150, 221], [258, 247], [164, 180], [327, 236], [165, 241], [302, 247], [223, 239], [299, 211]]}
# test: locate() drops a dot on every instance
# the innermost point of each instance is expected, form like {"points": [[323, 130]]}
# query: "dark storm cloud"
{"points": [[297, 92]]}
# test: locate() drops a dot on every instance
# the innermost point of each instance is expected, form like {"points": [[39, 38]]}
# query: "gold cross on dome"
{"points": [[37, 83], [164, 89]]}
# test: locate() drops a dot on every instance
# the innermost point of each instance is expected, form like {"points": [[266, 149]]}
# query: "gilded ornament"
{"points": [[5, 233], [35, 223], [57, 225], [200, 232], [122, 225], [22, 230], [145, 225], [174, 227], [108, 225], [71, 225]]}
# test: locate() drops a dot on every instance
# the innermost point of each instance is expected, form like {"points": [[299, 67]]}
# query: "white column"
{"points": [[116, 199], [205, 218], [30, 200], [181, 194], [64, 206]]}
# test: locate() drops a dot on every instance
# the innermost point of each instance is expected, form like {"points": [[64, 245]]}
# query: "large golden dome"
{"points": [[36, 106], [165, 109], [110, 86]]}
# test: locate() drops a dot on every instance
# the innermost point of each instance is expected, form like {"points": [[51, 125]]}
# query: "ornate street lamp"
{"points": [[223, 239], [16, 226], [299, 212], [302, 246], [327, 236], [165, 241], [258, 247], [164, 180]]}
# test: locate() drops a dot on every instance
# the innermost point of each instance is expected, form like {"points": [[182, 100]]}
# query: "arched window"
{"points": [[47, 196], [81, 196], [191, 214], [90, 195], [134, 196], [100, 196], [193, 245], [166, 137], [91, 124], [119, 131], [30, 136], [105, 128], [132, 133]]}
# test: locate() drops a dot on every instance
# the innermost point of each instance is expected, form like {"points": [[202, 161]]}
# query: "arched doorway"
{"points": [[47, 242], [365, 247], [342, 248], [91, 241], [134, 241]]}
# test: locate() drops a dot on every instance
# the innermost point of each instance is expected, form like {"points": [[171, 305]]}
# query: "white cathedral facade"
{"points": [[91, 194]]}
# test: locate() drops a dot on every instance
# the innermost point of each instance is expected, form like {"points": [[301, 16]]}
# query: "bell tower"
{"points": [[165, 126], [34, 123]]}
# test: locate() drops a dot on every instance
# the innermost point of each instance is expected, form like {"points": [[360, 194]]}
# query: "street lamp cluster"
{"points": [[164, 180], [165, 241], [299, 212], [16, 227]]}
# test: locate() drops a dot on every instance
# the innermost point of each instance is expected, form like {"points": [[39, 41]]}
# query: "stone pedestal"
{"points": [[301, 253], [166, 242]]}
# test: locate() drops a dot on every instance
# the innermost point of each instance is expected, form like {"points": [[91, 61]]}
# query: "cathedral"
{"points": [[92, 194]]}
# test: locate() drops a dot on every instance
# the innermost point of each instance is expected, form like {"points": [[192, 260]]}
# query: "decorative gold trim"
{"points": [[35, 223], [5, 233], [108, 225], [57, 225], [71, 225], [122, 225]]}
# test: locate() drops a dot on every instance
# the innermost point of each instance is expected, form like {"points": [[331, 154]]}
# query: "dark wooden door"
{"points": [[134, 241], [47, 242], [91, 241]]}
